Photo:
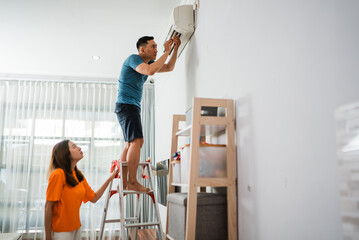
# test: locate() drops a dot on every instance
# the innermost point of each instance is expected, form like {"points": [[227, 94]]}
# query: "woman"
{"points": [[66, 190]]}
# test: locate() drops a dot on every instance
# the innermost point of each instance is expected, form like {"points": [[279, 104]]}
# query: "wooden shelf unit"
{"points": [[206, 126]]}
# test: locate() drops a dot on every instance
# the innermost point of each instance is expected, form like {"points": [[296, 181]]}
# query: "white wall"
{"points": [[288, 65]]}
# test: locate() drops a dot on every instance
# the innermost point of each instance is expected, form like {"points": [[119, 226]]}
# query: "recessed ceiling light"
{"points": [[96, 57]]}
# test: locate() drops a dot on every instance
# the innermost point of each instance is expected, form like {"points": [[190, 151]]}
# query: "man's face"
{"points": [[151, 50]]}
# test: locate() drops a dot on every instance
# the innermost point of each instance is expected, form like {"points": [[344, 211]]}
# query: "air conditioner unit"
{"points": [[181, 24]]}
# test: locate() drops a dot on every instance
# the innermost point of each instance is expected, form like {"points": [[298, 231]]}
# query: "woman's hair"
{"points": [[61, 158]]}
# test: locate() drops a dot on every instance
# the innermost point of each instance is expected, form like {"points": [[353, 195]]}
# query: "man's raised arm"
{"points": [[172, 62], [151, 69]]}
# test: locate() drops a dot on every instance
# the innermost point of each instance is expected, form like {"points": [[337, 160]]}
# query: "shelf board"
{"points": [[206, 182], [205, 130], [213, 182]]}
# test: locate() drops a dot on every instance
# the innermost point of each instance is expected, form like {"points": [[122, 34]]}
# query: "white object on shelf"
{"points": [[185, 156], [176, 172], [212, 161]]}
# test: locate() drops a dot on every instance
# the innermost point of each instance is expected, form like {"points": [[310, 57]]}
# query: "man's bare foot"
{"points": [[137, 187], [124, 183]]}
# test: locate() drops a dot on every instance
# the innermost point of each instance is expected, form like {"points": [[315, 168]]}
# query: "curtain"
{"points": [[34, 116]]}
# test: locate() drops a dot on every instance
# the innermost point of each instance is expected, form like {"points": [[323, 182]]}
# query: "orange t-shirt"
{"points": [[66, 211]]}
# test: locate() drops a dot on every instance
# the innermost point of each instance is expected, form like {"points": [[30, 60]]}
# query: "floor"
{"points": [[144, 234]]}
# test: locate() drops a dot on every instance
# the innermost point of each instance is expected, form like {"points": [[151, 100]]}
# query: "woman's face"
{"points": [[75, 152]]}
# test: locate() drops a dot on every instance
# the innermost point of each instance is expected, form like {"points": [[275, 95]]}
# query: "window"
{"points": [[34, 115]]}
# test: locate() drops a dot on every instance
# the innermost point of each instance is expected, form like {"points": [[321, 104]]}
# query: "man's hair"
{"points": [[142, 42]]}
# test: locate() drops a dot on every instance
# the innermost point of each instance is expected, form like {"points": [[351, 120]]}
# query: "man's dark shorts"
{"points": [[129, 117]]}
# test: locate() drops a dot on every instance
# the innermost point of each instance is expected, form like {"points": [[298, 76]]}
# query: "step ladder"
{"points": [[131, 222]]}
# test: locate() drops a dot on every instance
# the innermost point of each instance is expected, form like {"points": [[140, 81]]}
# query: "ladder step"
{"points": [[139, 164], [141, 224], [112, 220], [135, 192], [119, 220]]}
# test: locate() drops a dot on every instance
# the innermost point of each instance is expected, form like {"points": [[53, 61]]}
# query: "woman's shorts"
{"points": [[73, 235], [129, 117]]}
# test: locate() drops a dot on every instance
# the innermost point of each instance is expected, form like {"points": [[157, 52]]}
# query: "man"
{"points": [[134, 73]]}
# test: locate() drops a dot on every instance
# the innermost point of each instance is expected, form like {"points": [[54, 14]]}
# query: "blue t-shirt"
{"points": [[130, 83]]}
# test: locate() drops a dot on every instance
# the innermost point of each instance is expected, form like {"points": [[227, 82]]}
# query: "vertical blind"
{"points": [[34, 116]]}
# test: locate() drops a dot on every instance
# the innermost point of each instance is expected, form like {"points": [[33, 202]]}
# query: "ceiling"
{"points": [[60, 38]]}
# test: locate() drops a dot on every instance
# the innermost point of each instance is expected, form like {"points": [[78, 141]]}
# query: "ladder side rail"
{"points": [[138, 208], [121, 198], [105, 210], [157, 212]]}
